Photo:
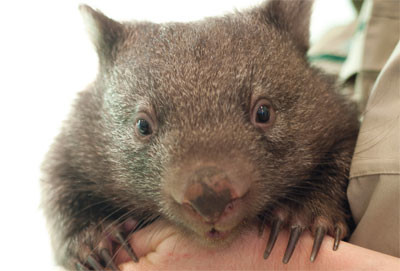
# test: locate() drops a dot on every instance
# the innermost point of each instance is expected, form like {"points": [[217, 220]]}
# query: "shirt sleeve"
{"points": [[374, 188]]}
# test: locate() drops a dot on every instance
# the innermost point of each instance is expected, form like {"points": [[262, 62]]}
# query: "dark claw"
{"points": [[92, 261], [80, 267], [261, 226], [338, 233], [105, 255], [276, 227], [319, 236], [294, 237], [125, 245]]}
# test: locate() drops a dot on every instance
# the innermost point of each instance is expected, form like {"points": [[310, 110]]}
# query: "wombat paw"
{"points": [[318, 225], [96, 247]]}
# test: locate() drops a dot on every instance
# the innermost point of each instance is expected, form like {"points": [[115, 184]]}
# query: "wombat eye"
{"points": [[262, 114], [143, 127]]}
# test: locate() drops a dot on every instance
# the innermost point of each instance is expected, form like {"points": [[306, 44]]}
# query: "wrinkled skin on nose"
{"points": [[210, 193], [211, 197]]}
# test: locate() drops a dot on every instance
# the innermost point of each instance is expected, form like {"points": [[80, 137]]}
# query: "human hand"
{"points": [[161, 247]]}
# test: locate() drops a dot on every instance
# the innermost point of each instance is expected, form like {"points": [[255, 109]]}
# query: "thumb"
{"points": [[148, 244]]}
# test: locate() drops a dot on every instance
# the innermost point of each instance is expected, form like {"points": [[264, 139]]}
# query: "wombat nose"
{"points": [[209, 194]]}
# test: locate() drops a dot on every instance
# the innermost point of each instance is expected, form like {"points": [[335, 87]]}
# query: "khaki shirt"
{"points": [[367, 61]]}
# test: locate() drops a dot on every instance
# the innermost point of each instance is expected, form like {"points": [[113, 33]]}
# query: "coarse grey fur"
{"points": [[198, 81]]}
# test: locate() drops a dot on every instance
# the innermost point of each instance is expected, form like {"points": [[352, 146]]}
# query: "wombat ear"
{"points": [[292, 16], [103, 32]]}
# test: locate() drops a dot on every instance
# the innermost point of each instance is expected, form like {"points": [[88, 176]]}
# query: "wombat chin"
{"points": [[215, 239]]}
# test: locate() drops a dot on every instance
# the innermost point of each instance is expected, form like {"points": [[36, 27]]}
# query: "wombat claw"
{"points": [[276, 227], [295, 233], [126, 246], [102, 258], [80, 267], [319, 236], [338, 234], [94, 262]]}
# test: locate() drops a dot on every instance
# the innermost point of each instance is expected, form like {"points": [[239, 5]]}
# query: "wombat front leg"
{"points": [[320, 206], [319, 220], [95, 247]]}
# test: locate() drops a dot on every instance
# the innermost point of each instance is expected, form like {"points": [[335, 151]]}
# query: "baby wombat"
{"points": [[211, 125]]}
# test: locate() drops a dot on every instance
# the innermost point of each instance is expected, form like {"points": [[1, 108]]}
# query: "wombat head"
{"points": [[206, 123]]}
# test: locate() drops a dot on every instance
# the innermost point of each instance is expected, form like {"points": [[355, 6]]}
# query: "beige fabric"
{"points": [[378, 145], [370, 75], [377, 33], [375, 200], [374, 189]]}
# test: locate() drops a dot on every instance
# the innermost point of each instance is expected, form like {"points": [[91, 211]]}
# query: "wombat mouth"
{"points": [[215, 235]]}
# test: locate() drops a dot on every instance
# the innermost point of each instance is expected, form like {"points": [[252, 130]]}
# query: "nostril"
{"points": [[229, 206]]}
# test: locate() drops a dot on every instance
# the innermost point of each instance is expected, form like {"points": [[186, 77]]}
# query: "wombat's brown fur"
{"points": [[177, 108]]}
